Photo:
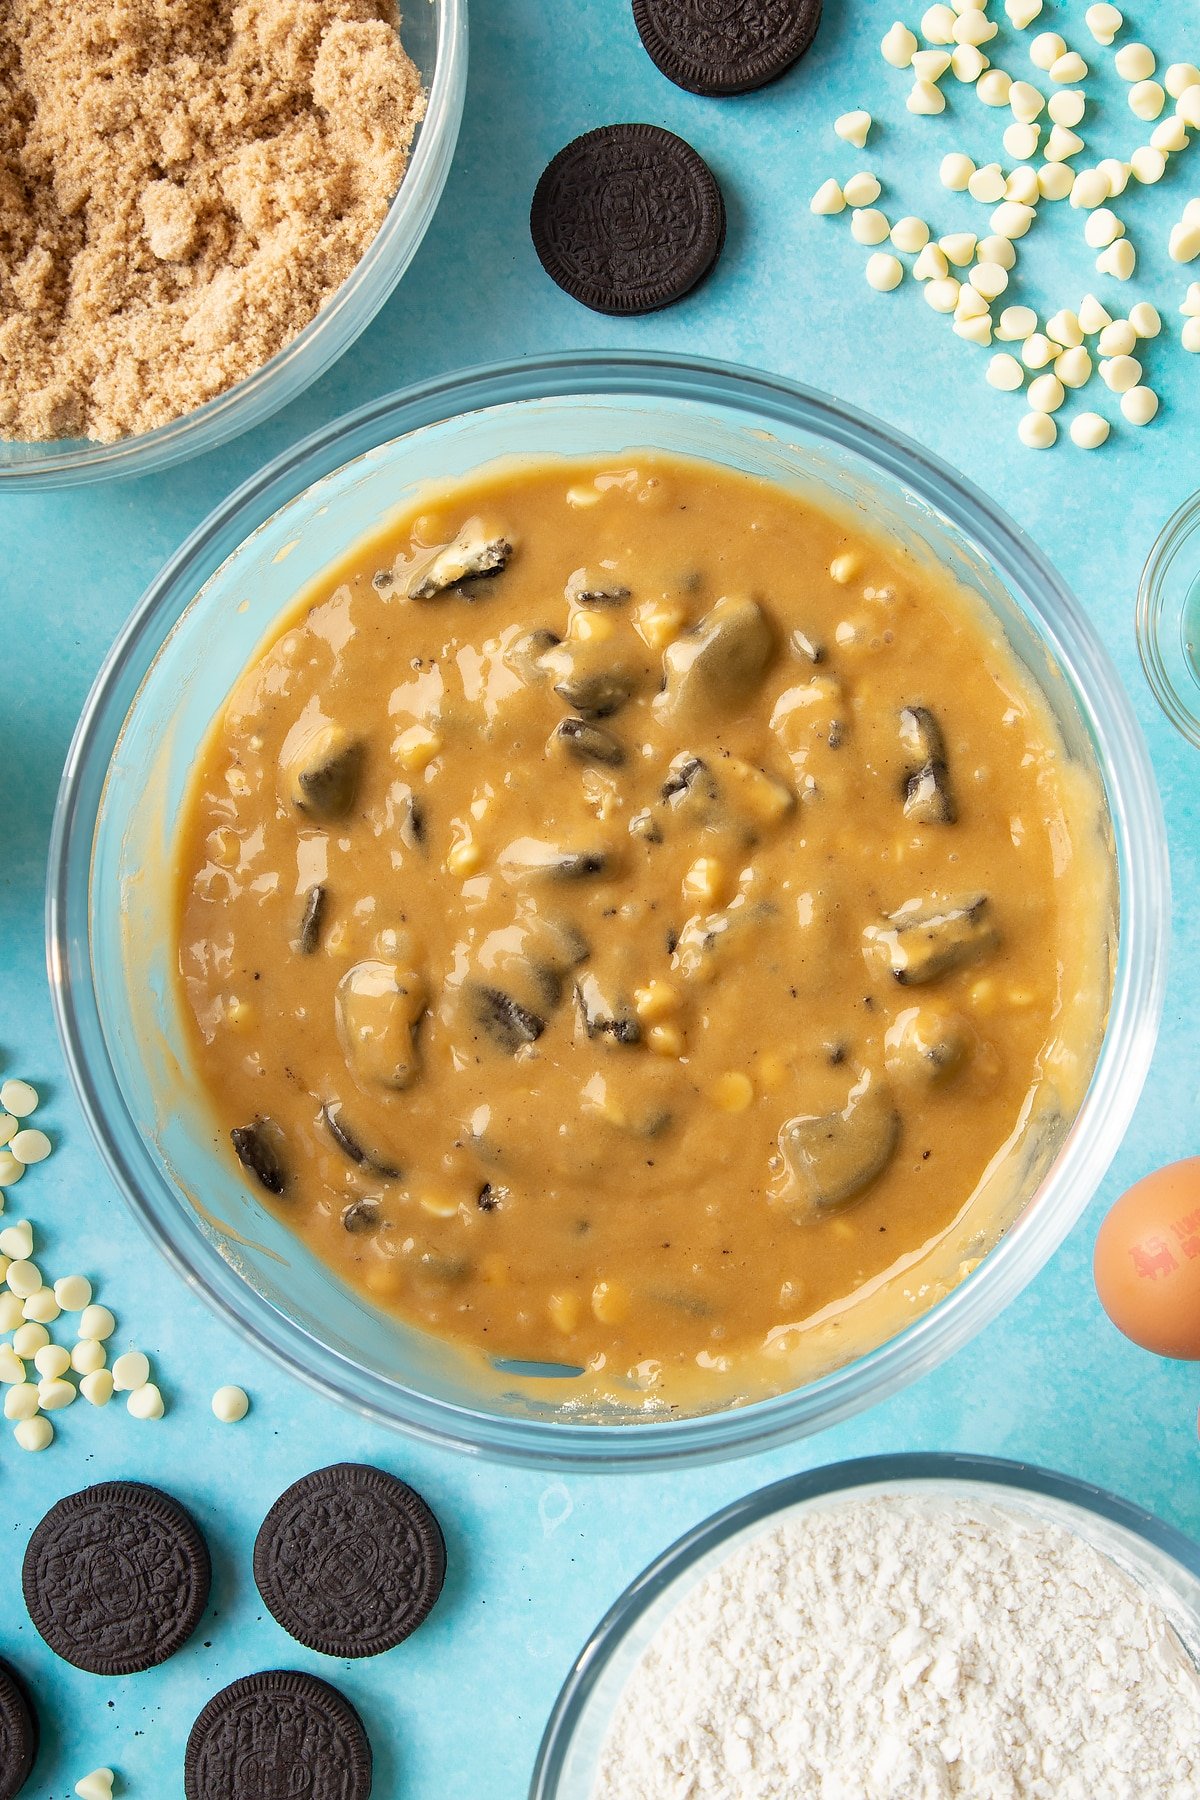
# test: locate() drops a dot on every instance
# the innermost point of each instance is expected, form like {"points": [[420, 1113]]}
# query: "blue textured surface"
{"points": [[456, 1714]]}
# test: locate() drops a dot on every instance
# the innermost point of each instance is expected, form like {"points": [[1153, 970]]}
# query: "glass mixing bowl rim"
{"points": [[326, 337], [949, 1468], [1152, 620], [1139, 978]]}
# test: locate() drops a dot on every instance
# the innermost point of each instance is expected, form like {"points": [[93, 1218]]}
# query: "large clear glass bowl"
{"points": [[1168, 619], [435, 36], [110, 930], [1162, 1560]]}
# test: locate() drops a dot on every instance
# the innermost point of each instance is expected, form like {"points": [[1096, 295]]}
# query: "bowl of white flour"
{"points": [[900, 1628]]}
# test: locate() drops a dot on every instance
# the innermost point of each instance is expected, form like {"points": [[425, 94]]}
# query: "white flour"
{"points": [[905, 1649]]}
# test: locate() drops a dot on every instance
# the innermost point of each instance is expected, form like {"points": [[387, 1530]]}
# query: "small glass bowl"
{"points": [[1164, 1562], [110, 931], [1168, 619], [435, 36]]}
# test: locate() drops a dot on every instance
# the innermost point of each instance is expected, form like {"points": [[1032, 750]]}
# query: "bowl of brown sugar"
{"points": [[201, 207]]}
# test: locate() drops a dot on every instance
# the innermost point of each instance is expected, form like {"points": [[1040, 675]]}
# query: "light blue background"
{"points": [[456, 1714]]}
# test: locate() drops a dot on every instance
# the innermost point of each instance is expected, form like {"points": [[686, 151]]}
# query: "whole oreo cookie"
{"points": [[281, 1732], [116, 1578], [350, 1561], [725, 46], [627, 219], [18, 1734]]}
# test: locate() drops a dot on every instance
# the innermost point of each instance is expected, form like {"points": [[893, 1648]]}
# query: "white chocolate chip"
{"points": [[989, 279], [1011, 219], [1145, 319], [1090, 189], [1023, 12], [97, 1387], [1135, 62], [1119, 260], [1062, 143], [925, 98], [997, 249], [18, 1098], [30, 1146], [1074, 367], [974, 28], [7, 1127], [1148, 165], [1147, 99], [42, 1306], [1190, 310], [959, 247], [1120, 373], [1103, 22], [145, 1402], [1188, 108], [1046, 49], [73, 1292], [1037, 350], [1190, 336], [1089, 430], [931, 265], [1055, 180], [868, 225], [910, 234], [1069, 68], [898, 46], [994, 87], [24, 1278], [1185, 242], [854, 127], [12, 1369], [28, 1339], [1139, 405], [861, 189], [1037, 431], [1026, 101], [971, 304], [34, 1434], [11, 1170], [1067, 106], [1093, 317], [937, 24], [987, 184], [930, 65], [16, 1240], [1180, 77], [828, 199], [230, 1404], [1065, 329], [12, 1310], [1005, 372], [967, 62], [51, 1361], [1022, 141], [132, 1370], [1046, 393], [54, 1395], [1117, 173], [942, 295], [1117, 339], [1022, 186], [1102, 228], [21, 1401], [976, 330], [96, 1323], [1016, 324], [956, 171], [96, 1786], [1169, 136], [88, 1356]]}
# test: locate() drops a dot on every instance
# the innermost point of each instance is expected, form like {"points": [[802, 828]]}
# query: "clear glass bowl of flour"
{"points": [[435, 36], [1159, 1560]]}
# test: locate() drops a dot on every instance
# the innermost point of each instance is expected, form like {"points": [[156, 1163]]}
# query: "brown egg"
{"points": [[1147, 1262]]}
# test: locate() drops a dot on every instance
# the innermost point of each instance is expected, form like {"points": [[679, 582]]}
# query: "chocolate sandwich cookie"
{"points": [[350, 1561], [725, 46], [627, 219], [18, 1733], [281, 1732], [116, 1578]]}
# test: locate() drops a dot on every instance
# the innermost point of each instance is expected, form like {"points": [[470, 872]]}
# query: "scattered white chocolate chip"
{"points": [[974, 28], [994, 87], [910, 234], [868, 225], [34, 1434], [11, 1170], [1016, 324], [1089, 430], [1022, 141], [942, 295], [1145, 319], [12, 1369], [987, 184], [1089, 189], [958, 247], [971, 304], [898, 46], [132, 1370], [854, 127], [145, 1402], [1037, 431], [967, 63], [1022, 186], [88, 1356], [28, 1339], [925, 98], [1005, 372], [1139, 405], [1185, 242], [828, 199], [1188, 108], [96, 1786], [1119, 260], [1069, 68], [956, 171], [1055, 180], [7, 1126], [1147, 165], [976, 329], [1011, 219], [1046, 49], [230, 1404], [1102, 228], [1135, 62], [1116, 172], [1026, 101], [1147, 99], [1190, 310], [1067, 106], [1177, 80], [54, 1395], [861, 189], [1190, 336], [21, 1401], [97, 1387], [1093, 317], [73, 1292], [42, 1306], [1062, 143], [930, 65], [997, 249], [1065, 329], [1023, 12], [16, 1240], [51, 1361], [937, 24], [12, 1310], [1037, 350], [30, 1146], [18, 1098], [1170, 136], [1103, 22], [24, 1278], [989, 279], [1120, 373], [96, 1323], [931, 265], [1046, 393], [1117, 339]]}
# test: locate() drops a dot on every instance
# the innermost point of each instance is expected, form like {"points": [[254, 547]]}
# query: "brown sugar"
{"points": [[183, 184]]}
